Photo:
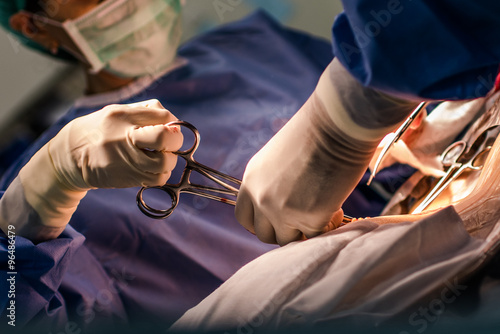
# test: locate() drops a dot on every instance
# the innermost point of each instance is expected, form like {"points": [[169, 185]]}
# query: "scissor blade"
{"points": [[399, 132]]}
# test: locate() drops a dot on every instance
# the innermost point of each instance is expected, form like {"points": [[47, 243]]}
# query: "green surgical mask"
{"points": [[129, 38]]}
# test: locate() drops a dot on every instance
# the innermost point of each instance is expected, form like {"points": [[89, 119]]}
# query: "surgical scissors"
{"points": [[185, 185], [458, 159]]}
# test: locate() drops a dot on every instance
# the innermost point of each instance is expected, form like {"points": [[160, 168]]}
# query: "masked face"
{"points": [[129, 38]]}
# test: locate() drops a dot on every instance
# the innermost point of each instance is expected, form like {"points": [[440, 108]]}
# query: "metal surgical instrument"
{"points": [[458, 159], [399, 132], [227, 194], [229, 190]]}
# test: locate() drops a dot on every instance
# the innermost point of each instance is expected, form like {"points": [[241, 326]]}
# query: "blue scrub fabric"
{"points": [[436, 49], [113, 265]]}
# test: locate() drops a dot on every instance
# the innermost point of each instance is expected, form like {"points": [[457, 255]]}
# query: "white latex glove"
{"points": [[294, 187], [119, 146]]}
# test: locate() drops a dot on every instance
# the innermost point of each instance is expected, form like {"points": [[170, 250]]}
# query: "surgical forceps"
{"points": [[173, 190], [185, 185], [458, 159]]}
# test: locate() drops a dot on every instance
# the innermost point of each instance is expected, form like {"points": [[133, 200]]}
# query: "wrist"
{"points": [[61, 151], [18, 216], [359, 112], [51, 198]]}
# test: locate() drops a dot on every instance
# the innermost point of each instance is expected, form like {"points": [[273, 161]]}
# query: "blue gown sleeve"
{"points": [[426, 49], [29, 283]]}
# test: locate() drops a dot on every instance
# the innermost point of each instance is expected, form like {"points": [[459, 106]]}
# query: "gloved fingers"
{"points": [[264, 230], [141, 116], [154, 162], [150, 112], [155, 144], [331, 223], [152, 103], [285, 235], [311, 234], [302, 230], [259, 224], [147, 179], [144, 113], [152, 168], [161, 138], [244, 210], [252, 219]]}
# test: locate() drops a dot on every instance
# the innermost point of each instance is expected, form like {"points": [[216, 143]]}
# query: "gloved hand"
{"points": [[119, 146], [295, 185]]}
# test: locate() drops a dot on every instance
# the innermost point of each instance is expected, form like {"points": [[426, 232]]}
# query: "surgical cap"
{"points": [[11, 7]]}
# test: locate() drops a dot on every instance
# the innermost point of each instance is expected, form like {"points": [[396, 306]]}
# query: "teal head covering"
{"points": [[11, 7], [8, 8]]}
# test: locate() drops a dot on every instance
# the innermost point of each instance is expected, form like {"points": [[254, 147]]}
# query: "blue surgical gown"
{"points": [[434, 49]]}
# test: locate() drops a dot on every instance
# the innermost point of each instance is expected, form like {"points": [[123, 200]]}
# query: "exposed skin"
{"points": [[61, 10]]}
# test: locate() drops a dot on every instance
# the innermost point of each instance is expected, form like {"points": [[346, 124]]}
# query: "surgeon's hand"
{"points": [[117, 147], [293, 188]]}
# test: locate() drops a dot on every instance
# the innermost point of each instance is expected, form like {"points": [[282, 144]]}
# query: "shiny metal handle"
{"points": [[189, 152], [157, 213], [436, 190]]}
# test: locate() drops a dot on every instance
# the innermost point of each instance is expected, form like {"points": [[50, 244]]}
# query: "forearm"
{"points": [[360, 112], [15, 211], [36, 204], [353, 119]]}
